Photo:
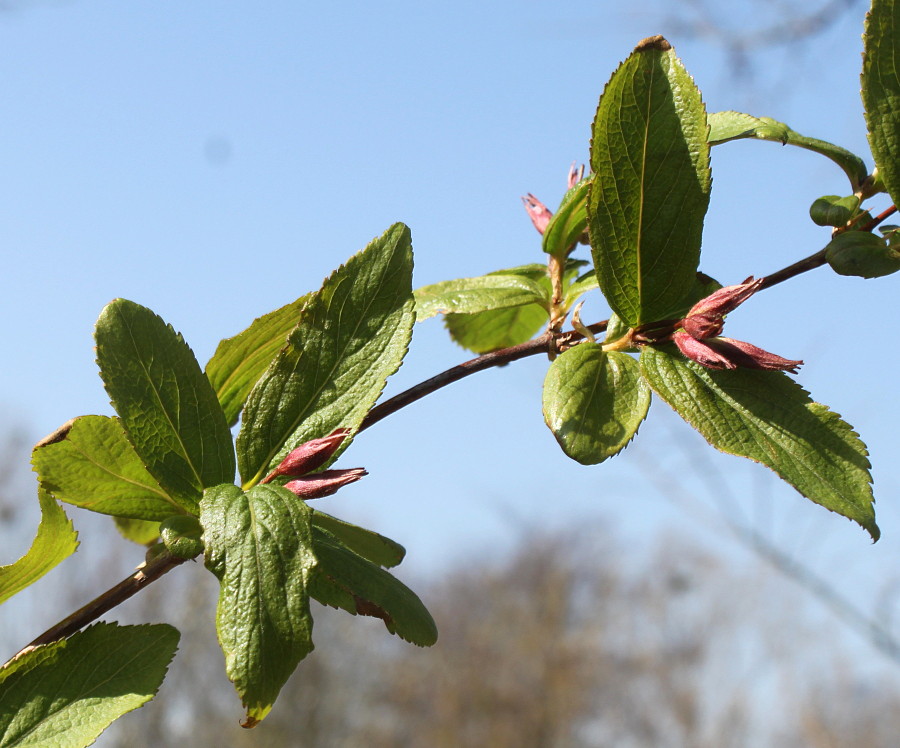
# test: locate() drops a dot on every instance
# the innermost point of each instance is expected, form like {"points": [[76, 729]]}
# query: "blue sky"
{"points": [[215, 161]]}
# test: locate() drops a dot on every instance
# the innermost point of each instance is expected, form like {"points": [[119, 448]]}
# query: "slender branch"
{"points": [[546, 343], [818, 259], [145, 574], [549, 343]]}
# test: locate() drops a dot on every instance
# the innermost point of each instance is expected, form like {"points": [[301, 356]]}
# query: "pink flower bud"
{"points": [[727, 353], [325, 483], [706, 317], [751, 357], [701, 352], [575, 175], [538, 212], [309, 456]]}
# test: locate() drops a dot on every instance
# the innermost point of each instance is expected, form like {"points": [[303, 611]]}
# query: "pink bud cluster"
{"points": [[539, 213], [700, 341], [310, 456]]}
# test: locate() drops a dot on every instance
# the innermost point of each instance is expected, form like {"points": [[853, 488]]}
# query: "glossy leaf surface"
{"points": [[767, 417], [352, 336], [259, 546], [165, 402], [650, 191], [64, 694], [239, 362], [594, 402], [93, 465]]}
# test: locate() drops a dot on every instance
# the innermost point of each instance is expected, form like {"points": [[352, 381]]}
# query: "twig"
{"points": [[818, 259], [545, 343], [145, 574]]}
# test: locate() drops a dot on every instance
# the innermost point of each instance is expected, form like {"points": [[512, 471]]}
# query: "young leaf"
{"points": [[55, 541], [834, 210], [165, 402], [239, 362], [140, 531], [651, 184], [594, 402], [767, 417], [470, 295], [579, 288], [726, 126], [484, 332], [862, 254], [370, 545], [90, 463], [347, 580], [259, 546], [881, 90], [352, 336], [66, 693], [569, 222]]}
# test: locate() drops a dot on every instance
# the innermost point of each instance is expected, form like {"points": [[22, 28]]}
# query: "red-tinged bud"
{"points": [[575, 175], [727, 353], [539, 214], [325, 483], [701, 352], [751, 357], [706, 317], [309, 456]]}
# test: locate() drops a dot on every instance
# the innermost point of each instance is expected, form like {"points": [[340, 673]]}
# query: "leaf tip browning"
{"points": [[658, 42]]}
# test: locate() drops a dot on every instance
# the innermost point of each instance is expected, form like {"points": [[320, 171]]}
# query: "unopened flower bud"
{"points": [[701, 352], [575, 175], [309, 456], [751, 357], [539, 214], [706, 317], [325, 483], [727, 353]]}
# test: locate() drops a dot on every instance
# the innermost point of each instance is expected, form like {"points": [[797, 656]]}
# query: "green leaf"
{"points": [[862, 254], [489, 331], [348, 581], [239, 362], [469, 295], [881, 90], [370, 545], [352, 336], [165, 402], [55, 541], [580, 287], [594, 402], [64, 694], [90, 463], [569, 222], [650, 159], [834, 210], [182, 536], [726, 126], [767, 417], [140, 531], [259, 546]]}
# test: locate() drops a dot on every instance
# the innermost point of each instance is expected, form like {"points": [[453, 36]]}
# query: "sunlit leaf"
{"points": [[64, 694], [767, 417], [650, 191]]}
